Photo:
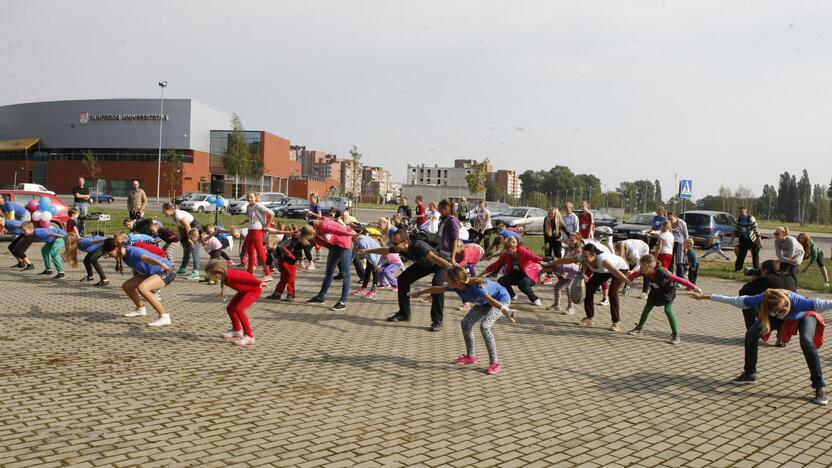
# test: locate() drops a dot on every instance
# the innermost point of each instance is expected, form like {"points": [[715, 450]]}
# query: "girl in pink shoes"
{"points": [[566, 275], [491, 301], [248, 291]]}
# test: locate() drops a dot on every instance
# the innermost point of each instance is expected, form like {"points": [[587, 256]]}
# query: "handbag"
{"points": [[576, 289]]}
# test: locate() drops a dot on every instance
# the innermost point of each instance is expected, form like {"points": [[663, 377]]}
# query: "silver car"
{"points": [[240, 205], [526, 218]]}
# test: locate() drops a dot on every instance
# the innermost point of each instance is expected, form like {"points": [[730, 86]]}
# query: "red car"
{"points": [[22, 197]]}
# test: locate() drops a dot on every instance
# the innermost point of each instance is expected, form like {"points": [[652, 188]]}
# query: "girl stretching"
{"points": [[491, 301], [662, 293], [566, 275], [248, 291], [185, 222], [799, 314], [812, 252], [92, 247], [53, 239], [287, 254], [169, 238], [365, 242], [391, 264], [153, 273], [523, 268]]}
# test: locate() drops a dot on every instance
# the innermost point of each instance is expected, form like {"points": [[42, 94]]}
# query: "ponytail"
{"points": [[71, 249], [460, 275]]}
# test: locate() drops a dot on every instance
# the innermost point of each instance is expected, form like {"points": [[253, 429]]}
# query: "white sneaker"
{"points": [[158, 295], [614, 327], [311, 266], [554, 307], [245, 341], [233, 335], [642, 295], [825, 285], [139, 312], [604, 302], [537, 303], [160, 322], [569, 310]]}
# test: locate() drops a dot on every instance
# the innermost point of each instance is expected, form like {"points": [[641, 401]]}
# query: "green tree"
{"points": [[537, 199], [804, 196], [173, 173], [478, 177], [493, 192], [658, 186], [238, 155], [820, 212], [93, 169]]}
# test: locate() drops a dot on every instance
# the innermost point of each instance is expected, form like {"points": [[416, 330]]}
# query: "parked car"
{"points": [[299, 210], [340, 203], [34, 188], [495, 208], [636, 227], [525, 218], [100, 197], [188, 196], [199, 203], [240, 205], [601, 218], [282, 207], [703, 225], [22, 197]]}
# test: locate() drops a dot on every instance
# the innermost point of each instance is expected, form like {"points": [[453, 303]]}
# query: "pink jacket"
{"points": [[331, 233], [529, 263]]}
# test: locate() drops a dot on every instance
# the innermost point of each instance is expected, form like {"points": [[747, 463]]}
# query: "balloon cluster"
{"points": [[42, 211], [216, 200]]}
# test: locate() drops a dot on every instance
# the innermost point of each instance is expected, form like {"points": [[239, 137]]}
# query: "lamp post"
{"points": [[162, 84]]}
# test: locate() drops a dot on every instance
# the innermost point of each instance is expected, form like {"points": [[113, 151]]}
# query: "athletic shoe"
{"points": [[642, 295], [211, 283], [311, 266], [820, 397], [274, 296], [229, 262], [160, 322], [825, 285], [315, 300], [60, 275], [29, 267], [625, 290], [494, 368], [548, 280], [288, 298], [193, 276], [245, 341], [587, 322], [370, 295], [635, 331], [436, 326], [360, 292], [181, 271], [614, 327], [674, 339], [554, 307], [158, 295], [45, 272], [463, 360], [338, 306], [537, 303], [266, 279], [140, 312], [569, 310], [88, 278], [398, 317], [233, 335], [103, 283], [18, 265], [745, 379], [604, 302]]}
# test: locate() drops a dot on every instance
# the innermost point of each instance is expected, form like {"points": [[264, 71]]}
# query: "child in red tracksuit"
{"points": [[248, 291], [285, 257]]}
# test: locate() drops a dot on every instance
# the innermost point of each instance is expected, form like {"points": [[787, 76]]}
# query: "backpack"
{"points": [[431, 239], [576, 290]]}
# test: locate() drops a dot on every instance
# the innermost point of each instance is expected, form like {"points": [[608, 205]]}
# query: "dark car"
{"points": [[601, 218], [100, 197], [703, 225], [298, 211], [282, 208], [636, 227]]}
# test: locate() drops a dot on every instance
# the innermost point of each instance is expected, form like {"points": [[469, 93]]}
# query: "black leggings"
{"points": [[91, 261], [20, 245], [523, 282], [552, 247], [369, 271], [219, 253]]}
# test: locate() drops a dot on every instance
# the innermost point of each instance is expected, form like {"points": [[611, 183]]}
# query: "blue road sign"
{"points": [[686, 189]]}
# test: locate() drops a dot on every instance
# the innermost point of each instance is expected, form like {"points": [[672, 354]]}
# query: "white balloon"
{"points": [[46, 216], [36, 215]]}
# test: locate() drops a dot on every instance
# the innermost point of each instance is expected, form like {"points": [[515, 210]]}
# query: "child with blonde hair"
{"points": [[248, 291]]}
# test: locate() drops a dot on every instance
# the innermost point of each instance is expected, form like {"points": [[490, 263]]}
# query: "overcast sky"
{"points": [[721, 92]]}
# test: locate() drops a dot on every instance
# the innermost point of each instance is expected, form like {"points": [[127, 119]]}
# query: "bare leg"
{"points": [[825, 274], [146, 288], [130, 286]]}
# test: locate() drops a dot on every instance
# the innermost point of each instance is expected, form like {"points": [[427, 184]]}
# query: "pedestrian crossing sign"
{"points": [[686, 189]]}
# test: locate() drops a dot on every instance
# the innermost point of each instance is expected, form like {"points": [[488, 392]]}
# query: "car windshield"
{"points": [[515, 212], [697, 219], [644, 219], [200, 198]]}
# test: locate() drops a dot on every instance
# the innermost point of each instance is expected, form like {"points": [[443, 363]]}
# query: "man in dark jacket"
{"points": [[770, 278]]}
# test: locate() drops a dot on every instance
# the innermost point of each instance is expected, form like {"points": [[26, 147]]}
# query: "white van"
{"points": [[34, 188]]}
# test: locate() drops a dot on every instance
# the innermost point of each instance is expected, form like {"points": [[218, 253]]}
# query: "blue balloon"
{"points": [[211, 199], [44, 203], [53, 209], [220, 203]]}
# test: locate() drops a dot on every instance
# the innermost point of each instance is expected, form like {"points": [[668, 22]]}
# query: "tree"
{"points": [[92, 167], [537, 199], [173, 174], [819, 209], [804, 196], [478, 176], [238, 155], [356, 171], [768, 200], [493, 192]]}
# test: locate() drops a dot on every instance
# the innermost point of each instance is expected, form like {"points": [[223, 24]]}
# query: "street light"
{"points": [[162, 84]]}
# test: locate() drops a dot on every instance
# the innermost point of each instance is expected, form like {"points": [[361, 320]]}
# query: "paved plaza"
{"points": [[82, 386]]}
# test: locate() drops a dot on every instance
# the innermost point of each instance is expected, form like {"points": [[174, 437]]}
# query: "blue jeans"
{"points": [[187, 250], [342, 258], [83, 210], [806, 328]]}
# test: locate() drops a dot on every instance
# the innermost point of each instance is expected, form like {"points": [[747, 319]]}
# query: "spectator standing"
{"points": [[136, 201], [553, 229], [404, 210], [656, 225], [81, 202], [570, 220], [586, 223], [749, 239], [463, 211], [483, 220], [680, 236]]}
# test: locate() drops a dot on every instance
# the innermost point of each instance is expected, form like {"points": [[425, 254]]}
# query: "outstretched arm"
{"points": [[430, 290], [683, 281]]}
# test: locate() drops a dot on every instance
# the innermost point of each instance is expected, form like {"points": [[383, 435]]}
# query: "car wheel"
{"points": [[200, 209]]}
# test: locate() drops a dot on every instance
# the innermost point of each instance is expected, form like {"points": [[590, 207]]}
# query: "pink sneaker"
{"points": [[359, 292], [245, 341], [370, 295], [233, 335], [548, 280], [494, 368], [463, 359], [229, 262]]}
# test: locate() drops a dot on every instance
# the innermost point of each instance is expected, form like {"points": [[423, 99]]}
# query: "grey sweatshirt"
{"points": [[789, 249]]}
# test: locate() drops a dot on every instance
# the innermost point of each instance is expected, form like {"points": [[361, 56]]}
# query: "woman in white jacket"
{"points": [[789, 251]]}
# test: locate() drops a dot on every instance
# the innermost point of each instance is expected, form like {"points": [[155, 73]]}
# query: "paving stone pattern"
{"points": [[83, 386]]}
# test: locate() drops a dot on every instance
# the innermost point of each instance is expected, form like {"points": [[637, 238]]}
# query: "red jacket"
{"points": [[242, 281], [790, 328], [529, 263], [154, 249], [330, 232]]}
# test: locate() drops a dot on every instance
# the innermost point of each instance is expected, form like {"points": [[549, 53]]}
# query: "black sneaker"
{"points": [[398, 317], [339, 306], [273, 296], [338, 277], [103, 283], [87, 278], [59, 276], [29, 267], [45, 272], [288, 298], [745, 379], [435, 327], [19, 265], [820, 397], [635, 331], [315, 300]]}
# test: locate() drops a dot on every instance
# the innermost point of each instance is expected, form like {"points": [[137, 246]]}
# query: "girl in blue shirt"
{"points": [[788, 306], [490, 300], [152, 274], [92, 247]]}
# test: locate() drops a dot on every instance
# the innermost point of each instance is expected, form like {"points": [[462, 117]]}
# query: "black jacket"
{"points": [[770, 281]]}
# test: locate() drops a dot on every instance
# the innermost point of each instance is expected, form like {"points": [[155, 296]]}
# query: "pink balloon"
{"points": [[44, 223], [32, 206]]}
